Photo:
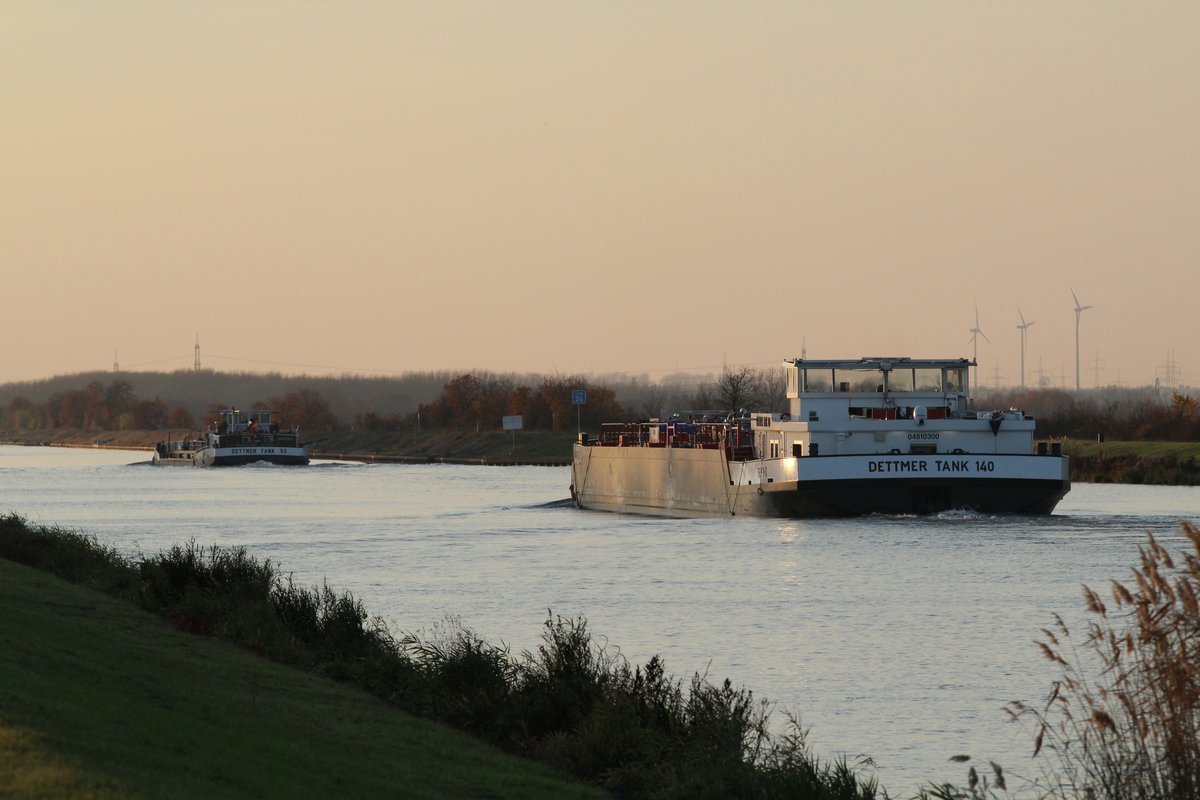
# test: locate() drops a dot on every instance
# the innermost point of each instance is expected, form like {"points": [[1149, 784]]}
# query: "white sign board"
{"points": [[513, 423]]}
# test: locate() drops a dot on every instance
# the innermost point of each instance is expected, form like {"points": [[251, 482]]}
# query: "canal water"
{"points": [[897, 638]]}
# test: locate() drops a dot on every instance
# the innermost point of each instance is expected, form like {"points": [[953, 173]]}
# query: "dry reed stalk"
{"points": [[1131, 729]]}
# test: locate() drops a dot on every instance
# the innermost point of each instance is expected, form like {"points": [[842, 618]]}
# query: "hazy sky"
{"points": [[591, 187]]}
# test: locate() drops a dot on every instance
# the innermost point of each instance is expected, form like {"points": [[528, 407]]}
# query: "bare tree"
{"points": [[736, 388], [770, 390]]}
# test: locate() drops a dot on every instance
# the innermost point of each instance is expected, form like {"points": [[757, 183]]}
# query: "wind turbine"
{"points": [[1078, 312], [1022, 327], [975, 334]]}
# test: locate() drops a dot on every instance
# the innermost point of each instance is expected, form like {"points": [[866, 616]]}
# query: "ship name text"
{"points": [[959, 465]]}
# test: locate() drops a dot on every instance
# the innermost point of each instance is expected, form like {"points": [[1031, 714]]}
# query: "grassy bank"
{"points": [[1169, 463], [99, 699], [527, 447], [119, 704]]}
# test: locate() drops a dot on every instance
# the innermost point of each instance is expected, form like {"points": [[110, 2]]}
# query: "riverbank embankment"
{"points": [[494, 448], [100, 699], [1164, 463], [1168, 463], [260, 687]]}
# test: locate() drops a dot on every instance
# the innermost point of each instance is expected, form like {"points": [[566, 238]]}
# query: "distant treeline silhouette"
{"points": [[475, 401], [466, 402], [116, 406], [1144, 414], [478, 400]]}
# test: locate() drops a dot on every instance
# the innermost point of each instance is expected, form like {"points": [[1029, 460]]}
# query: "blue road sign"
{"points": [[579, 397]]}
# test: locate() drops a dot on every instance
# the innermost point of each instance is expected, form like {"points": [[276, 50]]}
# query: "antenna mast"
{"points": [[196, 365], [1171, 371], [1042, 380]]}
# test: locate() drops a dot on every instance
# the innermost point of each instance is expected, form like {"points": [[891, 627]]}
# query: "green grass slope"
{"points": [[531, 447], [1167, 463], [99, 699], [1088, 447]]}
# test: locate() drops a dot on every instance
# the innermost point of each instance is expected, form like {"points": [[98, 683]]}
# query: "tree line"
{"points": [[480, 402], [477, 401], [116, 406], [466, 402], [1118, 414]]}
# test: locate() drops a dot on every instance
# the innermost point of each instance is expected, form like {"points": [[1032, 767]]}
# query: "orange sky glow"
{"points": [[384, 187]]}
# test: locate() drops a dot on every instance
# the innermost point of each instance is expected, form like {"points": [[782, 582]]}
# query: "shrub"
{"points": [[204, 590], [466, 681], [71, 555], [572, 702]]}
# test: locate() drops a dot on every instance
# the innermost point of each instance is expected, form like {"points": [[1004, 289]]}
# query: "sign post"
{"points": [[578, 399], [514, 424]]}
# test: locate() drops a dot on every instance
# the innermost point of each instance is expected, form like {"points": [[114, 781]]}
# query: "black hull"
{"points": [[237, 461], [857, 498]]}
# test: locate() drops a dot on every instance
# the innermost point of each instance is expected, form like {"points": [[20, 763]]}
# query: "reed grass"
{"points": [[571, 703], [1122, 720], [1131, 728]]}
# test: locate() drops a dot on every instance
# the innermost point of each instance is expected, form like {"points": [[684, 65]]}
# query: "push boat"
{"points": [[239, 437], [873, 435]]}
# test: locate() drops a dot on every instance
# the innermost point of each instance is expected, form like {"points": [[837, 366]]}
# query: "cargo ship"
{"points": [[239, 437], [866, 436]]}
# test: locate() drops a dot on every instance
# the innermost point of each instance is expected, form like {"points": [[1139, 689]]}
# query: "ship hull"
{"points": [[238, 437], [236, 456], [233, 456], [684, 482], [182, 458]]}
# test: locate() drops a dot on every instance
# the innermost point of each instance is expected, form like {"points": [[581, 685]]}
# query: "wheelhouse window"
{"points": [[900, 380], [928, 380], [876, 375], [859, 380], [818, 380]]}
